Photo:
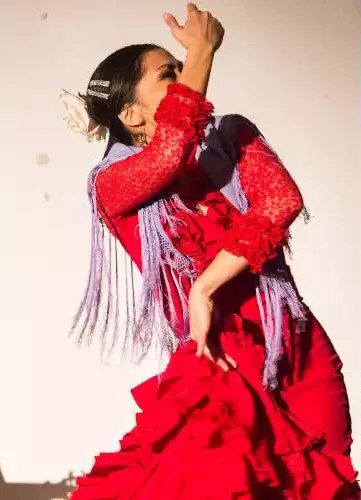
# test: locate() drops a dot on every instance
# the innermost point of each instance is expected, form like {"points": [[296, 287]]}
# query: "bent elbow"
{"points": [[294, 208], [297, 204]]}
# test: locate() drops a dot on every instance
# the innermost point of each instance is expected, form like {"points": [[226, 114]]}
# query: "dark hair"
{"points": [[124, 69]]}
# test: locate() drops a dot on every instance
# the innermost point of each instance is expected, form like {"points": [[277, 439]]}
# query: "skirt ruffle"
{"points": [[209, 435]]}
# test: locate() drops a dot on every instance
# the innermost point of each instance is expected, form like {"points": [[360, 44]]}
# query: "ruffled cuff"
{"points": [[255, 238], [185, 109]]}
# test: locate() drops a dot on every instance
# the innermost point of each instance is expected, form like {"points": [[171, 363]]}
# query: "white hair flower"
{"points": [[78, 119]]}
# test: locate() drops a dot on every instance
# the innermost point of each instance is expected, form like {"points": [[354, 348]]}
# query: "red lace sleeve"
{"points": [[181, 118], [275, 201]]}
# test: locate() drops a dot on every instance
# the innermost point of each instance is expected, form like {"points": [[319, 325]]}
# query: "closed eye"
{"points": [[171, 74], [170, 71]]}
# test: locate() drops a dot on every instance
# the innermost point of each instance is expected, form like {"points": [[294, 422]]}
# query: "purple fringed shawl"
{"points": [[147, 323]]}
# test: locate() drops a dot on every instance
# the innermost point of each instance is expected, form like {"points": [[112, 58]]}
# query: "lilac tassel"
{"points": [[161, 261], [278, 292]]}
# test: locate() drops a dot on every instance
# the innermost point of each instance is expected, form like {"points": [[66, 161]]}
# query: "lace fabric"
{"points": [[121, 185]]}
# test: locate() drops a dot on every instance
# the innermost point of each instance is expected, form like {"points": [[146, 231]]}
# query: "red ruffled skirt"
{"points": [[206, 434]]}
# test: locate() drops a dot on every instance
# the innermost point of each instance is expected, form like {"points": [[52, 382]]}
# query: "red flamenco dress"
{"points": [[202, 433]]}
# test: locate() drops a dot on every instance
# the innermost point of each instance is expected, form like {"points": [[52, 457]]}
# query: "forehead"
{"points": [[155, 58]]}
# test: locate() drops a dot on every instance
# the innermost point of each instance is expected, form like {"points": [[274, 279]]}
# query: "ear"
{"points": [[131, 116]]}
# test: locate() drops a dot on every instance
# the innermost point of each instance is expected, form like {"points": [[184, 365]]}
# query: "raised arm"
{"points": [[181, 119]]}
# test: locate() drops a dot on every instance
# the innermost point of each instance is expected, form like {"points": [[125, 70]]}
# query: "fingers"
{"points": [[201, 345], [223, 360], [230, 360], [219, 361], [200, 29], [192, 8], [171, 21]]}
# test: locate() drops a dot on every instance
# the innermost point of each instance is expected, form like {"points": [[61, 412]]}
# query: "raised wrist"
{"points": [[200, 54]]}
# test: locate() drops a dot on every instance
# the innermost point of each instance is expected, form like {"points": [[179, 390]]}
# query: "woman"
{"points": [[252, 403]]}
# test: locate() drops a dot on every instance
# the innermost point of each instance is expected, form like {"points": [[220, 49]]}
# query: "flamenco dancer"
{"points": [[252, 403]]}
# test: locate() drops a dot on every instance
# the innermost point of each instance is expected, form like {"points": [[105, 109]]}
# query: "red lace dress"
{"points": [[202, 433]]}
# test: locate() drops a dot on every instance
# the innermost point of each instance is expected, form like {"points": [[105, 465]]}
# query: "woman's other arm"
{"points": [[255, 237]]}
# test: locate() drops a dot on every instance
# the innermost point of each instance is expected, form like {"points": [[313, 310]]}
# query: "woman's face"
{"points": [[160, 69]]}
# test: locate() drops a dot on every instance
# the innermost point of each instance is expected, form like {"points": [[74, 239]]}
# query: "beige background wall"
{"points": [[292, 66]]}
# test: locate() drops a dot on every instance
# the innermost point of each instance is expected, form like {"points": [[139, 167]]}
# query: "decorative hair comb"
{"points": [[98, 83]]}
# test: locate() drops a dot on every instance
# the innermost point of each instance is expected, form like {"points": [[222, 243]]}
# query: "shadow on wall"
{"points": [[36, 491]]}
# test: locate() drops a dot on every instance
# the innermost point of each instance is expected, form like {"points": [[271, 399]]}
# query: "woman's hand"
{"points": [[201, 308], [201, 35], [201, 30]]}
